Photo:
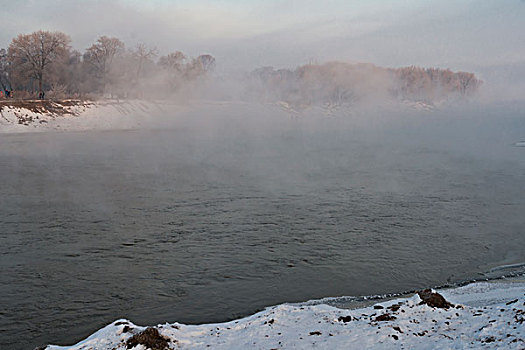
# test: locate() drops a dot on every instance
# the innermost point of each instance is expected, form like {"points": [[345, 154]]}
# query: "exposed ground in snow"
{"points": [[488, 315]]}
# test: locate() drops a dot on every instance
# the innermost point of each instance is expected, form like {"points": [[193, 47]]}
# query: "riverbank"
{"points": [[488, 315], [21, 116], [24, 116]]}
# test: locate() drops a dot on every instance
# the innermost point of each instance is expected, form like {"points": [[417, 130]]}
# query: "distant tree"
{"points": [[36, 55], [73, 75], [173, 61], [430, 84], [102, 54], [143, 55], [338, 83], [4, 67], [467, 82], [199, 66], [207, 62], [173, 67]]}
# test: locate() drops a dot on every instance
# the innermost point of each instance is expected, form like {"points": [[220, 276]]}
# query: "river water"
{"points": [[218, 214]]}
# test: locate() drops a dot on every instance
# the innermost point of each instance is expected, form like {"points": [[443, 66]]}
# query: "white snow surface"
{"points": [[84, 115], [488, 315], [76, 115]]}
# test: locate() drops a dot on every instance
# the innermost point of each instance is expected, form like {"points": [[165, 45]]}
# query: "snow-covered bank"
{"points": [[23, 116], [76, 115], [487, 315]]}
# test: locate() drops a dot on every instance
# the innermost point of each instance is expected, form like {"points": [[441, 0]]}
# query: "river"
{"points": [[218, 214]]}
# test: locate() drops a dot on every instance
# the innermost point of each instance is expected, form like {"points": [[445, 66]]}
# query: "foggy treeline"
{"points": [[344, 83], [45, 62]]}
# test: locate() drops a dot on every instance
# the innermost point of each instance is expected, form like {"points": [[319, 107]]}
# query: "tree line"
{"points": [[43, 63], [344, 83]]}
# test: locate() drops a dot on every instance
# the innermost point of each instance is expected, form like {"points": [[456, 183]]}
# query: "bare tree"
{"points": [[72, 76], [102, 53], [199, 66], [467, 82], [34, 55], [4, 66], [143, 54], [207, 62], [173, 67], [173, 61]]}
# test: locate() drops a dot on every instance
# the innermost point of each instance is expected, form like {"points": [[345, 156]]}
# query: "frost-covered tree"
{"points": [[207, 62], [38, 55], [143, 55], [102, 54], [72, 77], [173, 61], [173, 66], [199, 67]]}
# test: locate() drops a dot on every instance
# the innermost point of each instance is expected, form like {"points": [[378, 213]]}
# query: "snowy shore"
{"points": [[22, 116], [26, 116], [488, 315]]}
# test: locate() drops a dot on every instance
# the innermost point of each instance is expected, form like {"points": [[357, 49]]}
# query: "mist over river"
{"points": [[217, 212]]}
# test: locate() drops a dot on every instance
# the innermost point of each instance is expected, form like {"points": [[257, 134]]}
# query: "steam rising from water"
{"points": [[215, 212], [278, 184]]}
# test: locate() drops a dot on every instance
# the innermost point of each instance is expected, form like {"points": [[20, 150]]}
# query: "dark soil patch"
{"points": [[345, 318], [150, 338], [434, 299], [397, 329], [385, 317], [394, 307], [54, 107], [490, 339]]}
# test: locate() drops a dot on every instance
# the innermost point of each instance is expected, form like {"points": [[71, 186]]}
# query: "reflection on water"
{"points": [[208, 222]]}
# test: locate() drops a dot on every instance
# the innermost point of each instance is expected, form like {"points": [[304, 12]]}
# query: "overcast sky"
{"points": [[467, 35]]}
